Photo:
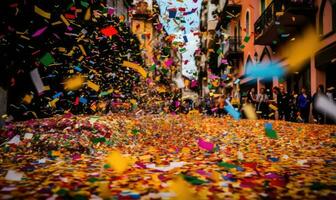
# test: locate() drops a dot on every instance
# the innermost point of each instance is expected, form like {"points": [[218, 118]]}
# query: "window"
{"points": [[247, 23], [327, 22], [262, 6]]}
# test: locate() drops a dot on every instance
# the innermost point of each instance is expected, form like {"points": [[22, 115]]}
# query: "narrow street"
{"points": [[176, 99]]}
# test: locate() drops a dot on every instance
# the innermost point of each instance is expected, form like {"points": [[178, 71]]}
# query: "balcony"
{"points": [[234, 51], [283, 19], [142, 11], [230, 11]]}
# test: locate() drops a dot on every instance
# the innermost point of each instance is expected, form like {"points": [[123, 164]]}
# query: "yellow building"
{"points": [[142, 25]]}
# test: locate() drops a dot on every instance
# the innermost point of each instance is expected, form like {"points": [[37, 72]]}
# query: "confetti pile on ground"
{"points": [[173, 156]]}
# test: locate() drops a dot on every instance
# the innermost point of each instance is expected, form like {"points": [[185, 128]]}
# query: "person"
{"points": [[235, 101], [285, 103], [221, 104], [318, 117], [292, 104], [330, 96], [251, 97], [304, 105], [282, 102], [262, 100]]}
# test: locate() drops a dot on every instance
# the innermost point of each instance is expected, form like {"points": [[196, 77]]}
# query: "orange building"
{"points": [[254, 31], [142, 26]]}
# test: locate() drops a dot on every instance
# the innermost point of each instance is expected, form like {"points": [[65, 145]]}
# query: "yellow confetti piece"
{"points": [[117, 161], [56, 23], [53, 103], [182, 189], [24, 37], [93, 86], [74, 83], [46, 88], [80, 58], [301, 49], [41, 12], [61, 49], [136, 67], [65, 21], [93, 107], [87, 14], [133, 101], [249, 111], [82, 49], [27, 99], [55, 153], [271, 106], [104, 190]]}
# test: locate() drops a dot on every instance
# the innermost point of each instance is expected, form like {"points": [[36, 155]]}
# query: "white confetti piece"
{"points": [[13, 175], [325, 105]]}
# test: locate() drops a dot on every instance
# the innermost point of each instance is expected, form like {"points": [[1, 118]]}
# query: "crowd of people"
{"points": [[269, 104]]}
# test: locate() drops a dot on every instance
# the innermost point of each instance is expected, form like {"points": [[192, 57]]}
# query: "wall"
{"points": [[3, 101]]}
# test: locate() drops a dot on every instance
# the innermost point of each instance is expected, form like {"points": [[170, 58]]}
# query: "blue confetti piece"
{"points": [[265, 70], [240, 169], [77, 68], [224, 76], [268, 126], [232, 111], [185, 38], [83, 100], [273, 159], [172, 13], [57, 95]]}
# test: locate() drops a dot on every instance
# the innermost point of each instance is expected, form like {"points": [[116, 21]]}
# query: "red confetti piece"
{"points": [[109, 31]]}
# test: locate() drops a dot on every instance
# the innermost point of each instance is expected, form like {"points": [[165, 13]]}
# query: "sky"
{"points": [[190, 20]]}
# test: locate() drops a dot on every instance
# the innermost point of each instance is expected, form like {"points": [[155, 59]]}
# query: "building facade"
{"points": [[256, 31], [120, 7]]}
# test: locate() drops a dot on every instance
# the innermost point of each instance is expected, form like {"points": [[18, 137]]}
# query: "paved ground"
{"points": [[153, 157]]}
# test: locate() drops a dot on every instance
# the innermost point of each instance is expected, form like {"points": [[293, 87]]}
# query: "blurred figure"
{"points": [[221, 103], [318, 117], [331, 97], [251, 97], [282, 102], [262, 100], [292, 104], [304, 105]]}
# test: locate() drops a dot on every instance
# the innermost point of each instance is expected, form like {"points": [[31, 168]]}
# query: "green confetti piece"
{"points": [[271, 133], [219, 51], [47, 59], [242, 46], [62, 192], [135, 131], [102, 94], [164, 71], [183, 50], [152, 68], [227, 165], [193, 180], [93, 179], [107, 166], [247, 39], [84, 4], [97, 140]]}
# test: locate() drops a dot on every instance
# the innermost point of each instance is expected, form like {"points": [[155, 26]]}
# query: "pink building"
{"points": [[257, 29], [254, 31]]}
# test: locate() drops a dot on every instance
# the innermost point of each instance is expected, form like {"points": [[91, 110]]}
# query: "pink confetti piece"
{"points": [[39, 32], [205, 145]]}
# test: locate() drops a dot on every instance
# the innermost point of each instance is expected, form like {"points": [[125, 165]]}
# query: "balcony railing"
{"points": [[278, 8], [235, 45]]}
